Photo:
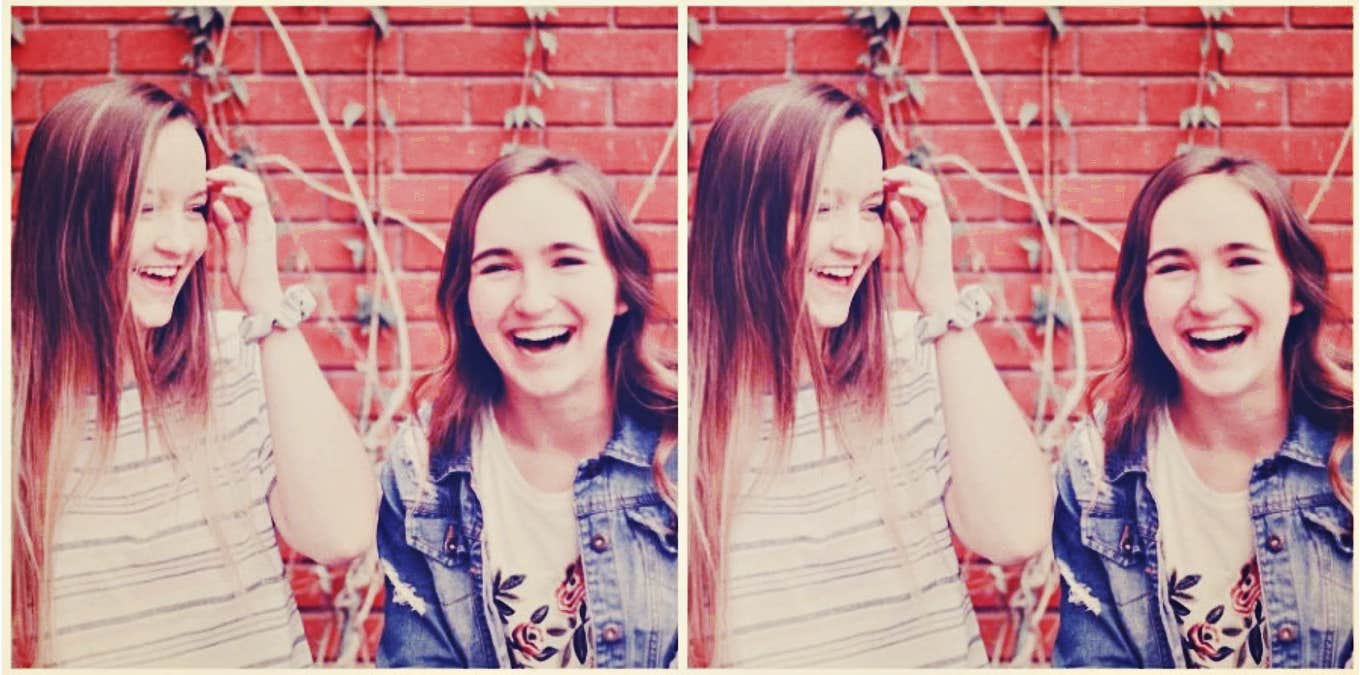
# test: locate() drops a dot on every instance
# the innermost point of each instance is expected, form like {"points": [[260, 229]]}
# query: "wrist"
{"points": [[263, 300]]}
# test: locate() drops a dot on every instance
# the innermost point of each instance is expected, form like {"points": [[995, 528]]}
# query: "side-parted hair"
{"points": [[1318, 383], [749, 330], [642, 376], [73, 331]]}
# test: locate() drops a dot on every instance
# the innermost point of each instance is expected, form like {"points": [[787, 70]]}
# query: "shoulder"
{"points": [[405, 474], [1080, 465]]}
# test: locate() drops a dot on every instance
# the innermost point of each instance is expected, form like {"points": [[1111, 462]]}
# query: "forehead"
{"points": [[1207, 213], [854, 161], [178, 161], [532, 212]]}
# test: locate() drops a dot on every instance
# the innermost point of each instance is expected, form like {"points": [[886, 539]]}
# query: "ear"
{"points": [[1295, 308], [620, 309]]}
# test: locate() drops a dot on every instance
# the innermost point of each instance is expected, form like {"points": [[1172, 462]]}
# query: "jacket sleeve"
{"points": [[1090, 631], [415, 631]]}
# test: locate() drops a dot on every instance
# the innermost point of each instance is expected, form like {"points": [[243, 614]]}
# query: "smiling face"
{"points": [[845, 234], [170, 230], [1218, 295], [542, 294]]}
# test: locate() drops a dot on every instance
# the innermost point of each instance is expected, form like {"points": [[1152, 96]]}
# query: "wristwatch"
{"points": [[297, 304], [972, 306]]}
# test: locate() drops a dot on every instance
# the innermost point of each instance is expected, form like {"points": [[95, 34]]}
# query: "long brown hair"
{"points": [[643, 377], [73, 331], [1317, 382], [749, 331]]}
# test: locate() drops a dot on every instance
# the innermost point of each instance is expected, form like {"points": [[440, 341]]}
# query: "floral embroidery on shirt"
{"points": [[558, 628], [1235, 627]]}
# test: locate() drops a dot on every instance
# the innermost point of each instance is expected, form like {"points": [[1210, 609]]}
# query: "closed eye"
{"points": [[1169, 268], [492, 268], [568, 261], [1243, 261], [877, 209], [148, 208], [201, 210]]}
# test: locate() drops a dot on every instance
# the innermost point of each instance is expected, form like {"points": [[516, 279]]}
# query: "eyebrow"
{"points": [[1226, 248], [551, 248]]}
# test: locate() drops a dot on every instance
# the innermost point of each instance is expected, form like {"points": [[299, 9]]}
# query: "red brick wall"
{"points": [[448, 75], [1124, 74]]}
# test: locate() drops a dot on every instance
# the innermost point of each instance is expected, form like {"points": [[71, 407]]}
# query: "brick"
{"points": [[277, 99], [998, 248], [293, 200], [50, 49], [702, 99], [836, 50], [699, 133], [1247, 101], [632, 52], [613, 150], [665, 288], [963, 15], [1080, 15], [780, 14], [983, 147], [1292, 150], [660, 204], [286, 15], [1342, 293], [55, 89], [451, 149], [418, 296], [1015, 15], [23, 134], [317, 626], [1318, 101], [411, 100], [1337, 246], [969, 200], [307, 146], [1099, 198], [564, 16], [24, 100], [646, 16], [424, 198], [1139, 51], [1241, 16], [740, 50], [661, 243], [730, 89], [418, 253], [1321, 51], [329, 50], [1127, 149], [1009, 350], [570, 101], [103, 14], [1336, 205], [1003, 50], [440, 15], [459, 50], [1321, 16], [639, 101], [324, 246], [1103, 344], [1093, 253]]}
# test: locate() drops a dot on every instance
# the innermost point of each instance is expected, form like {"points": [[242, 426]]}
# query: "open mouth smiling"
{"points": [[1216, 339], [840, 275], [159, 275], [538, 340]]}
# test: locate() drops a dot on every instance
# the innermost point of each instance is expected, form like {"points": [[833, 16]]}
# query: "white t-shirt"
{"points": [[534, 576], [138, 578], [1208, 550], [815, 576]]}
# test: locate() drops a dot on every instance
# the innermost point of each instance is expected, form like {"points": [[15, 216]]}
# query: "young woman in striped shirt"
{"points": [[158, 446], [832, 458]]}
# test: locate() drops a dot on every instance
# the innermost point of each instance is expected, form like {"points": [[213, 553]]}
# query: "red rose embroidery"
{"points": [[528, 639], [572, 591], [1202, 637], [1247, 591]]}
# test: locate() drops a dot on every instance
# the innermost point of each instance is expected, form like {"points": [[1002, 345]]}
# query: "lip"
{"points": [[836, 281], [540, 341], [165, 283]]}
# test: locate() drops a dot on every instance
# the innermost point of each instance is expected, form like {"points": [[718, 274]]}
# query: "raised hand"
{"points": [[240, 211]]}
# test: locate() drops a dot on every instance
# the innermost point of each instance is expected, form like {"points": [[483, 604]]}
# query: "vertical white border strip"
{"points": [[682, 492]]}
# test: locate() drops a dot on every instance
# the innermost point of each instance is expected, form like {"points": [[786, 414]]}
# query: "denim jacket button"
{"points": [[1275, 543], [1286, 633], [599, 543], [612, 633]]}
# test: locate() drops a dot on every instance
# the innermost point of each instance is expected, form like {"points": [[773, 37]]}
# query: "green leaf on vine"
{"points": [[389, 120], [917, 92], [1033, 251], [695, 33], [1028, 112], [529, 45], [549, 41], [1210, 114], [238, 89], [1064, 117], [380, 21], [351, 114], [1224, 41], [16, 29], [357, 247], [1055, 19]]}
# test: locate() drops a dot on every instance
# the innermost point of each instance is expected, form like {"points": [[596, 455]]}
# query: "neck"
{"points": [[1254, 423], [577, 423]]}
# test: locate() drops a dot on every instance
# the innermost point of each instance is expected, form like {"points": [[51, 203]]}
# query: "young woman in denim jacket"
{"points": [[1226, 399], [559, 549]]}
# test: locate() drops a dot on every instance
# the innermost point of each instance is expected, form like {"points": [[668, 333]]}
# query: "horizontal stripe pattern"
{"points": [[139, 579], [815, 578]]}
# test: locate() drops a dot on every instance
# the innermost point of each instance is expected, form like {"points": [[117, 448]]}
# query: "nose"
{"points": [[173, 236], [535, 293], [1210, 294], [852, 238]]}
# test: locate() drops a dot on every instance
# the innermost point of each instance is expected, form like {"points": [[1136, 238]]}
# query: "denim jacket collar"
{"points": [[630, 443]]}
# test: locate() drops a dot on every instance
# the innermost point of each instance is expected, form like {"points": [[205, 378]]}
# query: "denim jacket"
{"points": [[1114, 610], [430, 542]]}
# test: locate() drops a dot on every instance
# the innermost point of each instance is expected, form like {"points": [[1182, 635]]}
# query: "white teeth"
{"points": [[160, 271], [1215, 334], [837, 271], [540, 334]]}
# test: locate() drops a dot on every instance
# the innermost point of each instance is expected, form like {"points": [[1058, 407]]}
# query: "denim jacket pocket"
{"points": [[1332, 529], [655, 523], [1116, 541]]}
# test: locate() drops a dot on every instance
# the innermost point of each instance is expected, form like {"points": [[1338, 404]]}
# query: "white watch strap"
{"points": [[296, 305]]}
